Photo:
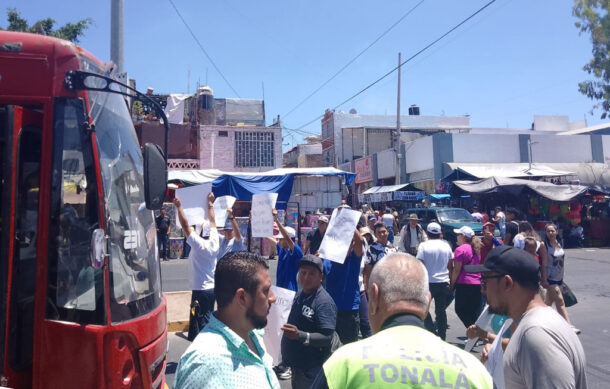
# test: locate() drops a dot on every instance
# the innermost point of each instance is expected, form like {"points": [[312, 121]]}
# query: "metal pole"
{"points": [[397, 134], [117, 25]]}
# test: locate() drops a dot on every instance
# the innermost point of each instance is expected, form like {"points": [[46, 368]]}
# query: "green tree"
{"points": [[594, 20], [69, 31]]}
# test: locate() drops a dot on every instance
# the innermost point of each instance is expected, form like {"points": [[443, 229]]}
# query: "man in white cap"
{"points": [[435, 253], [314, 238], [231, 241], [288, 254]]}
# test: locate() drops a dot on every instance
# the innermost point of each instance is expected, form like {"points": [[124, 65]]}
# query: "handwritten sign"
{"points": [[221, 204], [339, 234], [262, 216], [277, 317], [194, 201]]}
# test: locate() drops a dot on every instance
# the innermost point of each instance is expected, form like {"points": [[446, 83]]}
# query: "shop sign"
{"points": [[364, 170]]}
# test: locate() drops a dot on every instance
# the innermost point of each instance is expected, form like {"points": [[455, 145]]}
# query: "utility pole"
{"points": [[397, 133], [117, 25]]}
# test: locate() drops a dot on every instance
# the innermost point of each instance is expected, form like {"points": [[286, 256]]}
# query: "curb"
{"points": [[178, 326]]}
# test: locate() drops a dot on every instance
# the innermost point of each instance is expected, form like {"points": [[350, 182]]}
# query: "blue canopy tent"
{"points": [[243, 185]]}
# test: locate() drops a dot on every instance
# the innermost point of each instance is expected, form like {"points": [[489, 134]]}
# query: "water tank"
{"points": [[414, 110], [205, 106]]}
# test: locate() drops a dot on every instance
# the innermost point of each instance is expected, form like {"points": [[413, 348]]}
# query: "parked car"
{"points": [[449, 219]]}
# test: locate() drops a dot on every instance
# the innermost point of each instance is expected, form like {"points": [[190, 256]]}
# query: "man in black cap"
{"points": [[544, 351], [308, 334]]}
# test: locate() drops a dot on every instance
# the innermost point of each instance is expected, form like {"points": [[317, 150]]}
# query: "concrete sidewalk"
{"points": [[178, 304]]}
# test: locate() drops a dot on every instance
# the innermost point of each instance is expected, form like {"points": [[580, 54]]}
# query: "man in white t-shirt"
{"points": [[202, 265], [544, 352], [436, 253], [500, 220]]}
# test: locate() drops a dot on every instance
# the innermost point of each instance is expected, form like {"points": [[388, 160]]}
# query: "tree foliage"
{"points": [[69, 31], [594, 20]]}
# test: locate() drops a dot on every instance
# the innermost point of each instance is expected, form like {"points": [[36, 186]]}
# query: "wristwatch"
{"points": [[306, 342]]}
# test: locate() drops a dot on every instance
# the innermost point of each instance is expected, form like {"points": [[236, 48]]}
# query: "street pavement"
{"points": [[587, 273]]}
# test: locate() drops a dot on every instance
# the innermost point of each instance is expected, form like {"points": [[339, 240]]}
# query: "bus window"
{"points": [[21, 325], [75, 287], [6, 131]]}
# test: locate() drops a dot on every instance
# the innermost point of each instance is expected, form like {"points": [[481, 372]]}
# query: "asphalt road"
{"points": [[587, 273]]}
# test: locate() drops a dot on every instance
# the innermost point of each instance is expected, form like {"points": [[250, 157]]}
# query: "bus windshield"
{"points": [[135, 285]]}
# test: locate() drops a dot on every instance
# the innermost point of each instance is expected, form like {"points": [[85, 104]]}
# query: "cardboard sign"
{"points": [[484, 323], [194, 201], [277, 317], [221, 204], [339, 234], [262, 216]]}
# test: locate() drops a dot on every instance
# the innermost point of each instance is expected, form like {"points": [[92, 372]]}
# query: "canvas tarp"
{"points": [[517, 186], [509, 170], [243, 185]]}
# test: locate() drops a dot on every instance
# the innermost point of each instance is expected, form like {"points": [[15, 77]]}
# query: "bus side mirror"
{"points": [[155, 176], [98, 248]]}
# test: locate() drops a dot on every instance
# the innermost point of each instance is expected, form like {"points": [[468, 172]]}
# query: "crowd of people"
{"points": [[367, 321]]}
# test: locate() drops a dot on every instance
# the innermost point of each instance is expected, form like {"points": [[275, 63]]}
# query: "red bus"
{"points": [[80, 282]]}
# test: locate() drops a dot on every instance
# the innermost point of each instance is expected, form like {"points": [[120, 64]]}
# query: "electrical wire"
{"points": [[203, 49], [353, 59], [402, 63]]}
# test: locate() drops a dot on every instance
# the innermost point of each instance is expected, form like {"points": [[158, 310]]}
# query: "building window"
{"points": [[254, 149], [223, 133]]}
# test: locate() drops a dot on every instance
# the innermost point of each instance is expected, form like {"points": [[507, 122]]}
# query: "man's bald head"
{"points": [[398, 284]]}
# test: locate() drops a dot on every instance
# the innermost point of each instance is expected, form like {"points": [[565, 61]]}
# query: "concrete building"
{"points": [[349, 136], [305, 155], [215, 133]]}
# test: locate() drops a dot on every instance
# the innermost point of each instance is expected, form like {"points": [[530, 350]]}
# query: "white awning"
{"points": [[508, 170]]}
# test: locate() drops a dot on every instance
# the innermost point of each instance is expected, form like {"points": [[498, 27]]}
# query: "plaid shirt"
{"points": [[377, 251], [219, 358]]}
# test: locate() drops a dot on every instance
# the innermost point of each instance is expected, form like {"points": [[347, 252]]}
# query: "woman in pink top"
{"points": [[467, 285]]}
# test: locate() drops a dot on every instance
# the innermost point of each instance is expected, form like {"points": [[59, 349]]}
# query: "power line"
{"points": [[203, 49], [402, 63], [353, 59]]}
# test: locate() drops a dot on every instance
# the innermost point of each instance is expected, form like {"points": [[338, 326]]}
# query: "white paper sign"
{"points": [[484, 323], [221, 204], [494, 363], [194, 201], [277, 317], [262, 216], [339, 234]]}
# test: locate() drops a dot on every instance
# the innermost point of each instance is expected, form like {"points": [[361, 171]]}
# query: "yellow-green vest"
{"points": [[404, 357]]}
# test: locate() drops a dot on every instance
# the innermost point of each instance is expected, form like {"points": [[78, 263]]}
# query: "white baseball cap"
{"points": [[323, 219], [434, 228], [291, 233], [466, 231]]}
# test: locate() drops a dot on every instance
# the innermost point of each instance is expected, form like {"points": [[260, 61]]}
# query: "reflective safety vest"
{"points": [[404, 357]]}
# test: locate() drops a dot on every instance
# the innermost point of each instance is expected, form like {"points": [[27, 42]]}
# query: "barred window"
{"points": [[254, 149]]}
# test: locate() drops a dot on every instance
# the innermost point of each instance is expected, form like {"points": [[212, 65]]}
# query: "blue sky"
{"points": [[514, 60]]}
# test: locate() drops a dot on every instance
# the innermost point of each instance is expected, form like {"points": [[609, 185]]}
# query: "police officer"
{"points": [[401, 353]]}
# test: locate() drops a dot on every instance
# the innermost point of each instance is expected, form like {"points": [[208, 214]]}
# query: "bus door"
{"points": [[20, 145]]}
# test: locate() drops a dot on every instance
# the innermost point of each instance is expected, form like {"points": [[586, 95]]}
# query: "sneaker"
{"points": [[576, 330], [283, 372]]}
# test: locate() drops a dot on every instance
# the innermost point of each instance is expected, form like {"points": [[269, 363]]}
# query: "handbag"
{"points": [[569, 298]]}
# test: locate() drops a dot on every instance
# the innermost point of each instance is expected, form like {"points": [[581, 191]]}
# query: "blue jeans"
{"points": [[348, 324], [163, 240], [440, 294]]}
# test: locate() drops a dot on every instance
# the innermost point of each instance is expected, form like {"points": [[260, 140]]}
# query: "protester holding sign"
{"points": [[202, 265], [342, 285], [307, 339], [231, 241], [288, 254], [377, 250]]}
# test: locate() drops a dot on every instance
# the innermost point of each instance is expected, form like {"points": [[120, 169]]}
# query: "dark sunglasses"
{"points": [[484, 279]]}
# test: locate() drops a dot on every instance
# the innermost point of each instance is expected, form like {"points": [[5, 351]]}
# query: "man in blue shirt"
{"points": [[229, 352], [342, 285], [288, 254]]}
